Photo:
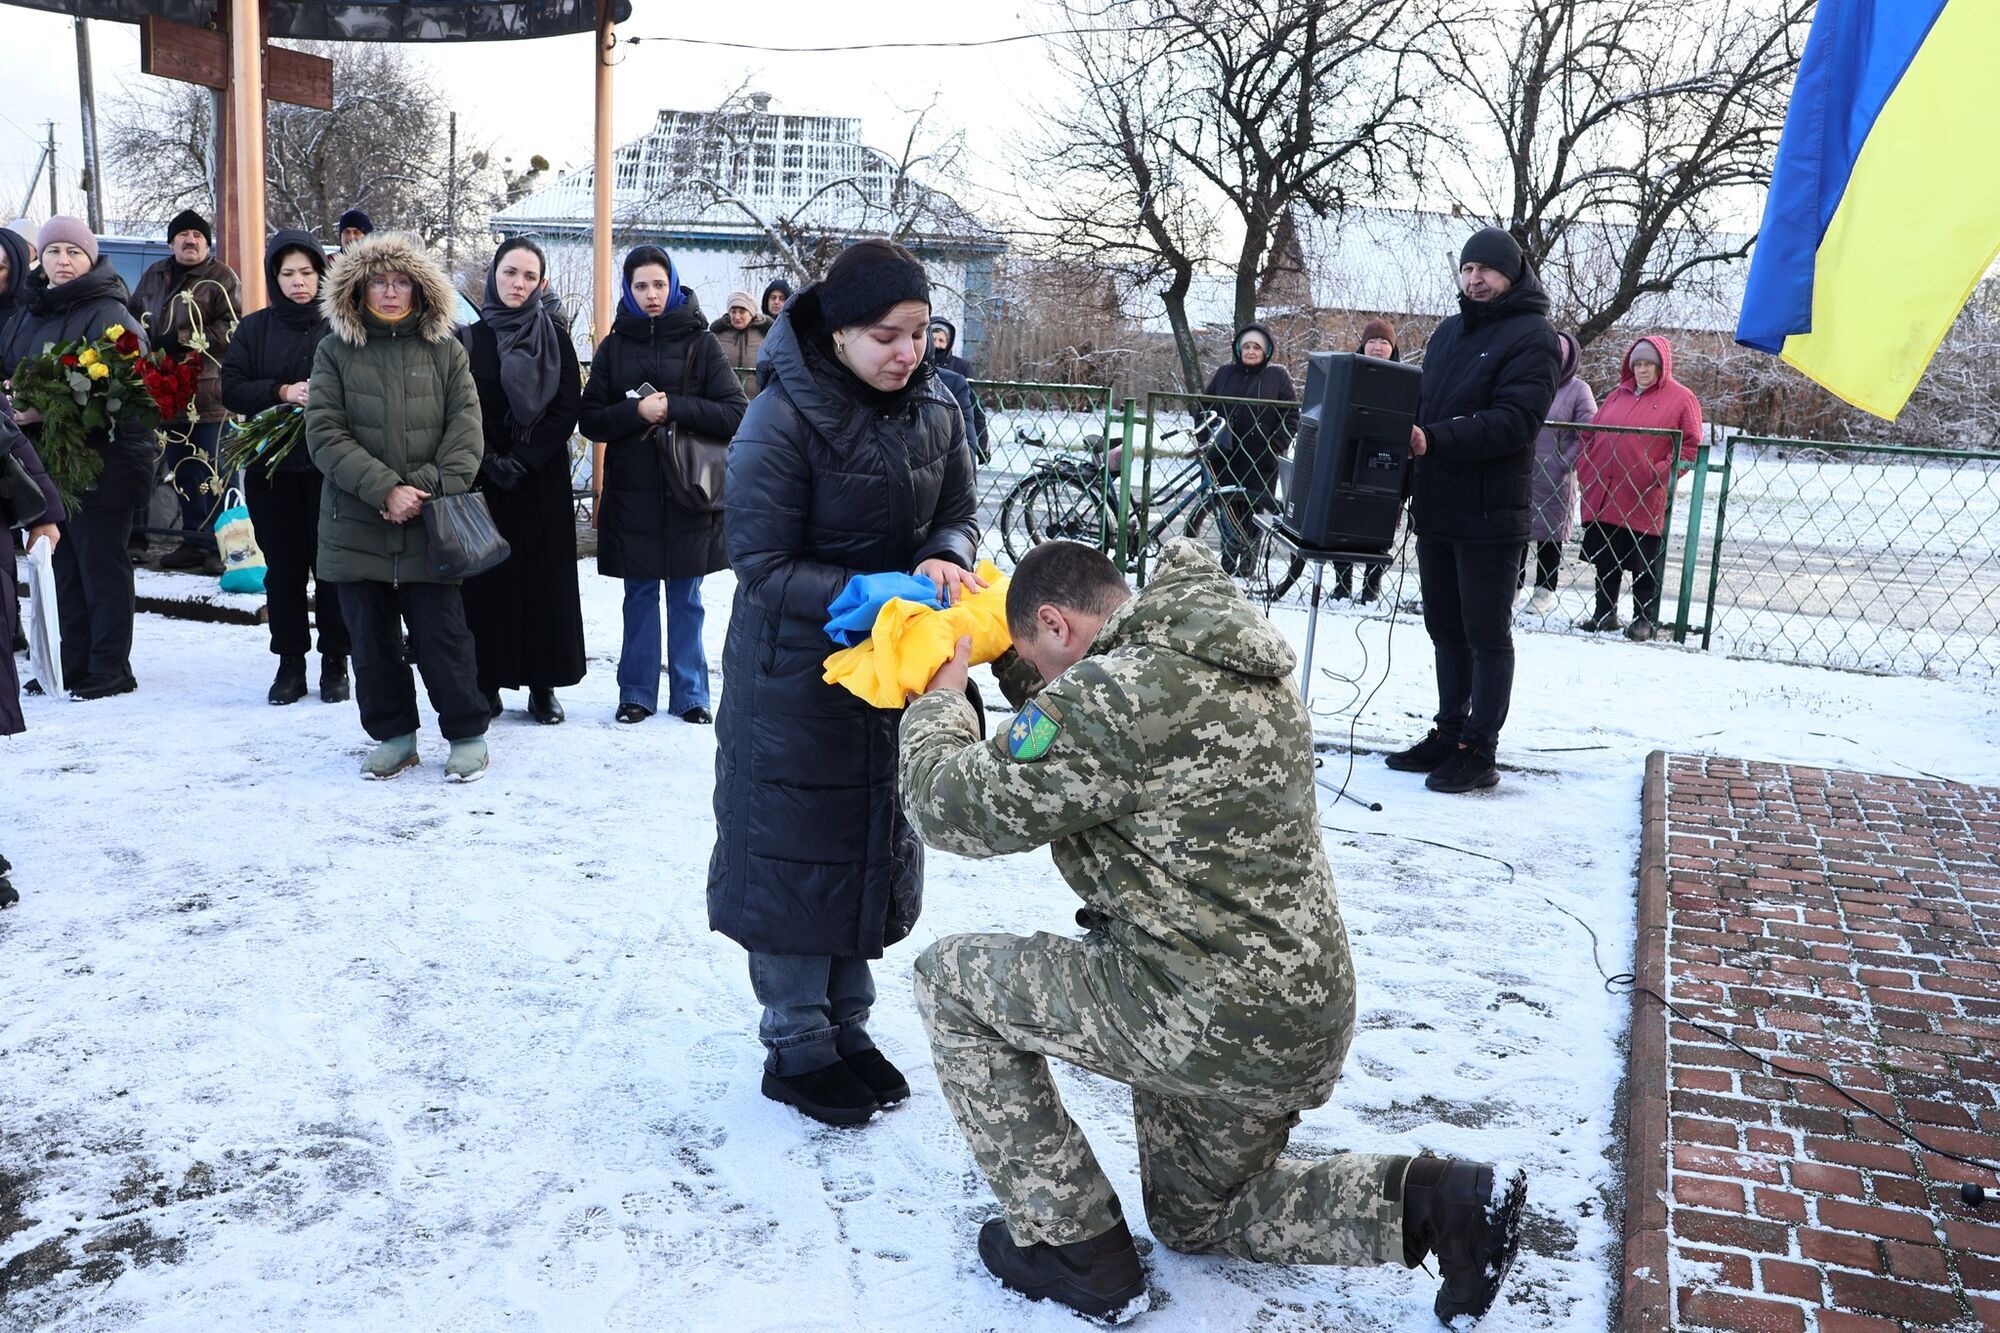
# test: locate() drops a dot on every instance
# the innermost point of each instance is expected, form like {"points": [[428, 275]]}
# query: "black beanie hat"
{"points": [[866, 279], [355, 218], [189, 220], [1497, 250]]}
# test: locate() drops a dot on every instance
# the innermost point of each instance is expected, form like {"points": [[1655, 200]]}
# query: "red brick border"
{"points": [[1846, 924]]}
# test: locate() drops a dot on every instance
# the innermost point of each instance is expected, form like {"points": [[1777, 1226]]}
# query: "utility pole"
{"points": [[451, 195], [93, 170], [51, 152]]}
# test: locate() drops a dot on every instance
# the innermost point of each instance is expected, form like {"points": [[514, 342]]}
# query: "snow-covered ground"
{"points": [[283, 1049]]}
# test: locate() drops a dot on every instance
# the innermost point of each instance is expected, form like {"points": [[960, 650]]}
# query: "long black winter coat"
{"points": [[1257, 435], [812, 853], [641, 532], [84, 307], [526, 613], [274, 347], [1489, 377]]}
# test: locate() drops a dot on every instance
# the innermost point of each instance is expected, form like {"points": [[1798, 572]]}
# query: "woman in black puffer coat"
{"points": [[269, 361], [1257, 436], [76, 293], [851, 461], [659, 339]]}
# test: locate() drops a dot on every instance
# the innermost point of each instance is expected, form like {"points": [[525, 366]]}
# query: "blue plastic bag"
{"points": [[852, 615]]}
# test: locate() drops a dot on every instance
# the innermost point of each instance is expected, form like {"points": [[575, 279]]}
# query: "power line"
{"points": [[887, 46]]}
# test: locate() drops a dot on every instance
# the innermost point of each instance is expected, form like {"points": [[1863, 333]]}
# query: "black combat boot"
{"points": [[334, 685], [1470, 768], [1425, 755], [834, 1095], [289, 685], [1097, 1277], [883, 1079], [1449, 1210]]}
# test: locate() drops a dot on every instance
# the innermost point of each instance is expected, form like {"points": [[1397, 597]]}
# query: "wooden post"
{"points": [[246, 167], [600, 242]]}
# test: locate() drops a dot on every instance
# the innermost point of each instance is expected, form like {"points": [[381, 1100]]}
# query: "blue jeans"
{"points": [[639, 656], [815, 1009]]}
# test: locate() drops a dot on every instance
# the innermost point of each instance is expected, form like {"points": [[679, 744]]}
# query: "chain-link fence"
{"points": [[1043, 465], [1867, 557]]}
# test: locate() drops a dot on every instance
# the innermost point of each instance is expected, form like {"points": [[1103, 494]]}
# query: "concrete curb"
{"points": [[1648, 1291]]}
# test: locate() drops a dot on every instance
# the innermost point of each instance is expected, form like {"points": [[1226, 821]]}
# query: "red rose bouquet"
{"points": [[93, 384]]}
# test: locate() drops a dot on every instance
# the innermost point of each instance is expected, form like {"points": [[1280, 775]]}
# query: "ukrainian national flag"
{"points": [[1884, 209]]}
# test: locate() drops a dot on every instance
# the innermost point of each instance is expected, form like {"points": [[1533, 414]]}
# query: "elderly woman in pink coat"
{"points": [[1625, 479]]}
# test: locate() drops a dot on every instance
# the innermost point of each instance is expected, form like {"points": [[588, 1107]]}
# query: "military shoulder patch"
{"points": [[1033, 731]]}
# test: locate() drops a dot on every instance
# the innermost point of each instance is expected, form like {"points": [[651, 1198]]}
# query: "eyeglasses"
{"points": [[391, 285]]}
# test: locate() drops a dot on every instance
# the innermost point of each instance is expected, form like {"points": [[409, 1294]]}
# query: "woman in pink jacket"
{"points": [[1624, 481]]}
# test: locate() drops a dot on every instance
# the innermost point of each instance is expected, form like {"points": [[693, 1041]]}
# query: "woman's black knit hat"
{"points": [[867, 279]]}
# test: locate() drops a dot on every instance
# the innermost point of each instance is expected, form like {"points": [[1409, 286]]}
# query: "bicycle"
{"points": [[1076, 499]]}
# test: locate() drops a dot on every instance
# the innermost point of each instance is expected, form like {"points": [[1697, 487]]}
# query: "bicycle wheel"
{"points": [[1012, 522], [1058, 507], [1266, 569]]}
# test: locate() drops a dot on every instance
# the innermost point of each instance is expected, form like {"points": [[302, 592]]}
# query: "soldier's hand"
{"points": [[952, 675]]}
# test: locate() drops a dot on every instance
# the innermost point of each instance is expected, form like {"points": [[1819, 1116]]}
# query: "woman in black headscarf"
{"points": [[270, 361], [526, 613], [14, 265]]}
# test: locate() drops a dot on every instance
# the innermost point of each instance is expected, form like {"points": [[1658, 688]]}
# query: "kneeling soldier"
{"points": [[1168, 763]]}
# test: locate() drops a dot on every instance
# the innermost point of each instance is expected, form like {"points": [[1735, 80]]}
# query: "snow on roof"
{"points": [[813, 170], [1402, 261]]}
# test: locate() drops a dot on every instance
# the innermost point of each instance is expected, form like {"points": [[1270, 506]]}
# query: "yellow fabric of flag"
{"points": [[911, 641]]}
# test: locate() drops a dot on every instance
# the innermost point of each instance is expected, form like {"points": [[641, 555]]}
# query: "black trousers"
{"points": [[1613, 549], [94, 594], [1469, 611], [441, 644], [285, 511], [1548, 564]]}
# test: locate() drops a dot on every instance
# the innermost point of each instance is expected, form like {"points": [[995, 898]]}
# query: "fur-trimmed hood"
{"points": [[346, 286]]}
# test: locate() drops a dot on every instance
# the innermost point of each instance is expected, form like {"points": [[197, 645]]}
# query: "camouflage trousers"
{"points": [[997, 1006]]}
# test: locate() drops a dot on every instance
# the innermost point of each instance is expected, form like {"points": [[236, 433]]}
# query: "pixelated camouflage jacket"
{"points": [[1177, 800]]}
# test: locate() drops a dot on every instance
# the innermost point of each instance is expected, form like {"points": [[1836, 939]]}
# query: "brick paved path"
{"points": [[1845, 923]]}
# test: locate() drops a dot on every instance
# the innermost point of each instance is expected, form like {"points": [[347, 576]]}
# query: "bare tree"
{"points": [[1618, 146], [722, 164], [383, 148], [1200, 126]]}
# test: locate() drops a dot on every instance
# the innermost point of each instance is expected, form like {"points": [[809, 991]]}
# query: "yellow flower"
{"points": [[98, 370], [89, 356], [114, 332]]}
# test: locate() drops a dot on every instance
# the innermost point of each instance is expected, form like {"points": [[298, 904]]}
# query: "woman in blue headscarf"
{"points": [[659, 367]]}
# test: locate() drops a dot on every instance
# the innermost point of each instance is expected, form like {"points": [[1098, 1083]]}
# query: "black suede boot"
{"points": [[289, 686], [334, 685], [1470, 768], [1425, 755], [883, 1079], [1098, 1277], [834, 1095], [1449, 1210]]}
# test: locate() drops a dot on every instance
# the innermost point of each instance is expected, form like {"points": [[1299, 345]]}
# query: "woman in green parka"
{"points": [[392, 421]]}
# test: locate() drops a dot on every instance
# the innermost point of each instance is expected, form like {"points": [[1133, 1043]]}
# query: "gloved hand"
{"points": [[502, 471]]}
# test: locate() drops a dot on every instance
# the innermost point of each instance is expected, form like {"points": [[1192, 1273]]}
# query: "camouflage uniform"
{"points": [[1177, 798]]}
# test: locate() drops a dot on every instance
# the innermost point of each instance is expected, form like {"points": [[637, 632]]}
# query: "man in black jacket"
{"points": [[1489, 377]]}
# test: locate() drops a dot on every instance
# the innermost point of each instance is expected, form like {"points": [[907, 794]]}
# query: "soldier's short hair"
{"points": [[1069, 575]]}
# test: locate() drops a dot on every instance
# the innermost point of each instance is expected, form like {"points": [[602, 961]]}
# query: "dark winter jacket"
{"points": [[84, 307], [955, 373], [526, 614], [764, 301], [1556, 450], [813, 854], [1489, 376], [390, 405], [274, 347], [641, 532], [1257, 435], [179, 304], [14, 443], [948, 359]]}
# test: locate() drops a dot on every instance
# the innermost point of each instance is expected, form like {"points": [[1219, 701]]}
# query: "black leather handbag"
{"points": [[464, 540], [696, 465]]}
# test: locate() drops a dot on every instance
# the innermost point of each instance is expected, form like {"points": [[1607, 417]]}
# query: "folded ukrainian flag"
{"points": [[1881, 218], [911, 641]]}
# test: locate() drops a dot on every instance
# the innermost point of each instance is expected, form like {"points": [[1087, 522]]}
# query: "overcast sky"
{"points": [[535, 96]]}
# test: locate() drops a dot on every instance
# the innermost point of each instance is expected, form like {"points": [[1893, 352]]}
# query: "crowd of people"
{"points": [[1213, 975]]}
